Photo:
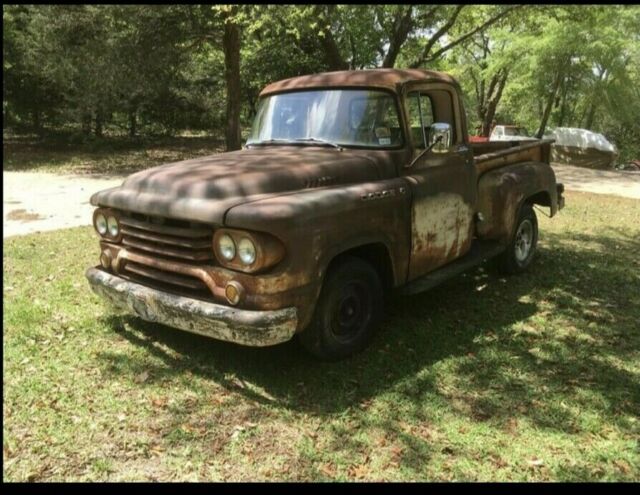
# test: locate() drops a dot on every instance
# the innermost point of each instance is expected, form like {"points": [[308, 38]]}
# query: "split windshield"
{"points": [[336, 117]]}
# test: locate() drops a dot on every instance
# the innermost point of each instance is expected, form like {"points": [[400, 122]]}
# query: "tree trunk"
{"points": [[595, 99], [86, 122], [333, 57], [563, 103], [592, 114], [133, 121], [37, 122], [549, 104], [231, 48], [402, 26], [99, 122], [489, 113]]}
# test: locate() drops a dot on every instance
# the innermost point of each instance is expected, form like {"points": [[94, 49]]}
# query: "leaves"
{"points": [[142, 377]]}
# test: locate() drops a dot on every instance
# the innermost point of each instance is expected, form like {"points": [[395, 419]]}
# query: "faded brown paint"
{"points": [[390, 79], [502, 191], [305, 205], [537, 151]]}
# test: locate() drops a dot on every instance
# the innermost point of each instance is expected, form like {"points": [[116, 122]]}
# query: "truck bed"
{"points": [[495, 154]]}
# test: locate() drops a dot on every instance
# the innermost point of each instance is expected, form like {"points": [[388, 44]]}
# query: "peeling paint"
{"points": [[441, 230]]}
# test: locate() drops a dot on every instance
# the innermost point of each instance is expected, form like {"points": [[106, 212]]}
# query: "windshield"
{"points": [[345, 117], [515, 131]]}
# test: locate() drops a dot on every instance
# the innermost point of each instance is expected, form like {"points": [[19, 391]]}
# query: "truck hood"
{"points": [[203, 189]]}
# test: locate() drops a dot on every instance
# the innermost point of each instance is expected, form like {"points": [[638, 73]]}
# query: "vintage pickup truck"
{"points": [[351, 184]]}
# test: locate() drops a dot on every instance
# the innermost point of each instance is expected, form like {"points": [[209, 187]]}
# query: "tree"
{"points": [[231, 48]]}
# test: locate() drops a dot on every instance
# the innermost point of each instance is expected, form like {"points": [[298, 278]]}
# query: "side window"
{"points": [[420, 108]]}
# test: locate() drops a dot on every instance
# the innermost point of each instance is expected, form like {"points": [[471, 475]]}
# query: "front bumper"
{"points": [[252, 328]]}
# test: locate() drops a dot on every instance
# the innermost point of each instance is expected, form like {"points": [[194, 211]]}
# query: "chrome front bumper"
{"points": [[252, 328]]}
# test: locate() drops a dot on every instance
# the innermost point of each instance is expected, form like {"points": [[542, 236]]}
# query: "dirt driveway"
{"points": [[35, 202], [616, 182]]}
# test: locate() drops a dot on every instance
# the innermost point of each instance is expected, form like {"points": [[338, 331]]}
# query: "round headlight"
{"points": [[227, 247], [114, 228], [101, 224], [247, 251]]}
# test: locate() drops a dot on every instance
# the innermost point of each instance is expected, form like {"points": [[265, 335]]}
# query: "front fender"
{"points": [[316, 225]]}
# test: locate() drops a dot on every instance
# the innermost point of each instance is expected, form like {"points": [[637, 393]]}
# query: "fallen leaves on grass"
{"points": [[142, 377], [328, 469], [535, 462], [359, 472], [623, 466]]}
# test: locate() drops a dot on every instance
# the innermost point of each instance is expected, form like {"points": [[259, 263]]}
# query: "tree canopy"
{"points": [[143, 69]]}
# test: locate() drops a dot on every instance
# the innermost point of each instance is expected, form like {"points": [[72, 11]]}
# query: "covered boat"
{"points": [[581, 147]]}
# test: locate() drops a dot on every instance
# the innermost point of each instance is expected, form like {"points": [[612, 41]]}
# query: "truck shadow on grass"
{"points": [[553, 345]]}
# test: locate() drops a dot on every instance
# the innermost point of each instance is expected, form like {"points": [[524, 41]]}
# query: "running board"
{"points": [[480, 251]]}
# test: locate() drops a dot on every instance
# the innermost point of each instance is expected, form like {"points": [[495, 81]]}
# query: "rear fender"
{"points": [[501, 193]]}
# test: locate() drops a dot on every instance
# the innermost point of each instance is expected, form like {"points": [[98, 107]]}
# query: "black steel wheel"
{"points": [[348, 311]]}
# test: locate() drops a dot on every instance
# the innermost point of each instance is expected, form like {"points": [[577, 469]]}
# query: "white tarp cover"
{"points": [[580, 138]]}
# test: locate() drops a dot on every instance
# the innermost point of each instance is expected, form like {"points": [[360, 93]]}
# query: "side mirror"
{"points": [[440, 137]]}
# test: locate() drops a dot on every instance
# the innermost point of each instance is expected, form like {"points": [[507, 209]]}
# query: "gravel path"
{"points": [[34, 202]]}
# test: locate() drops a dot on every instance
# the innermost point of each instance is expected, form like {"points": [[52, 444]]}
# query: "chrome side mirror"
{"points": [[440, 137]]}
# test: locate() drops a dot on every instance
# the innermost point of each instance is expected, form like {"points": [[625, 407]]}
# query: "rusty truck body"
{"points": [[350, 185]]}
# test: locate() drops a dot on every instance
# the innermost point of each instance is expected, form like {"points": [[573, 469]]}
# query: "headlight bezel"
{"points": [[108, 214], [269, 250]]}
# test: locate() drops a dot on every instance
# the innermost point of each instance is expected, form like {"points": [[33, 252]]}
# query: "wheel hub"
{"points": [[524, 240], [352, 310]]}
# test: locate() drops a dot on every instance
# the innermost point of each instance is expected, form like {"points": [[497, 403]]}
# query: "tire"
{"points": [[347, 313], [522, 248]]}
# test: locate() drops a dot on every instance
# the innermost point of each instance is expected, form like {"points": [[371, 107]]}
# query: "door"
{"points": [[443, 185]]}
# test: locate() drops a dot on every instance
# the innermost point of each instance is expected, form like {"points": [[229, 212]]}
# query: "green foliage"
{"points": [[160, 69]]}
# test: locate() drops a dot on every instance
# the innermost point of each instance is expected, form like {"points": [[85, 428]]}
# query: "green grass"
{"points": [[110, 155], [533, 377]]}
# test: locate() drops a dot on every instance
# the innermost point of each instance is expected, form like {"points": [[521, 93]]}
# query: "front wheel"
{"points": [[347, 313], [522, 248]]}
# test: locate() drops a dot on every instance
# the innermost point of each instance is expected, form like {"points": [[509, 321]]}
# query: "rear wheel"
{"points": [[347, 313], [522, 248]]}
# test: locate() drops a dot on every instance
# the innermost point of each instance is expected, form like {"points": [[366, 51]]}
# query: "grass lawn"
{"points": [[534, 377], [114, 155]]}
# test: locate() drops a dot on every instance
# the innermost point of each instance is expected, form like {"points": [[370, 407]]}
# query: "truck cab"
{"points": [[352, 184]]}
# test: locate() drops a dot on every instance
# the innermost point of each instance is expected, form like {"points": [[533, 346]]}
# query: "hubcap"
{"points": [[524, 240], [351, 312]]}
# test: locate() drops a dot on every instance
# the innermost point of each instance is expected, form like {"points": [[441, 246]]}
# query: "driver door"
{"points": [[443, 184]]}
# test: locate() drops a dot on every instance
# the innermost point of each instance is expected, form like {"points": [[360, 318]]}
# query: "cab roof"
{"points": [[390, 79]]}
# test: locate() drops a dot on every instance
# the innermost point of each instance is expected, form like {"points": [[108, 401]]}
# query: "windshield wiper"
{"points": [[295, 141], [271, 141], [317, 140]]}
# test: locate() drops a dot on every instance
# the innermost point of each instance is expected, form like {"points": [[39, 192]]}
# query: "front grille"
{"points": [[165, 277], [161, 245], [167, 238]]}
